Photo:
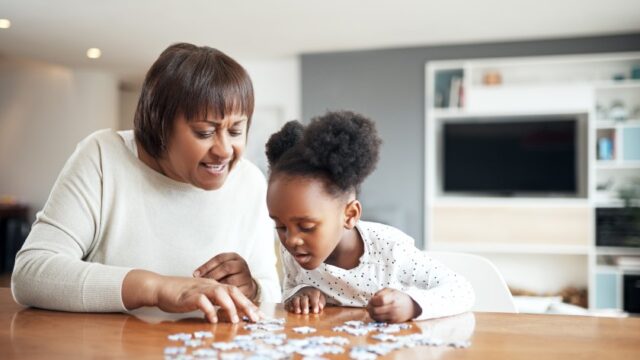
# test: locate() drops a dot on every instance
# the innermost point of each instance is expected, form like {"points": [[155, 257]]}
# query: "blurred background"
{"points": [[549, 91]]}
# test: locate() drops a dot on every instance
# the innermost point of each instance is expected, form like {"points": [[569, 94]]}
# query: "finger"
{"points": [[314, 301], [245, 305], [296, 304], [228, 268], [236, 280], [382, 297], [222, 299], [205, 305], [381, 310], [323, 302], [381, 314], [289, 306], [304, 303], [214, 262]]}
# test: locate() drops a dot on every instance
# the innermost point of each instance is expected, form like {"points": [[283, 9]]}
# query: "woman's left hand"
{"points": [[392, 306], [230, 269]]}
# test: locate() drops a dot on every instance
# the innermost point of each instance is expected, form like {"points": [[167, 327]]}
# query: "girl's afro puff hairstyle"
{"points": [[341, 147]]}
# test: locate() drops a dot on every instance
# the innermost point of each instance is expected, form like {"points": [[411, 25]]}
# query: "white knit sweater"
{"points": [[109, 213]]}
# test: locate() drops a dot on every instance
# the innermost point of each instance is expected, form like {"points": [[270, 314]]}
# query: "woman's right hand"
{"points": [[183, 294], [306, 300]]}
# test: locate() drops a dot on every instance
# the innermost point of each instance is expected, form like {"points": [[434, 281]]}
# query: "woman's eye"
{"points": [[235, 132], [204, 134]]}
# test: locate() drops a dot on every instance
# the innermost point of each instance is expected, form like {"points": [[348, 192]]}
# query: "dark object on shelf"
{"points": [[619, 77], [618, 226], [443, 81], [631, 293], [635, 72], [14, 228]]}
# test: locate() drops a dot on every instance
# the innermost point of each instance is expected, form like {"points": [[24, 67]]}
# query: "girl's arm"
{"points": [[438, 290]]}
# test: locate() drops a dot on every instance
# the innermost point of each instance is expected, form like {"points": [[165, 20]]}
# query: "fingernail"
{"points": [[234, 319], [196, 273]]}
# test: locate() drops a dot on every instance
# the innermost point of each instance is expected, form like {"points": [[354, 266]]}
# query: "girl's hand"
{"points": [[183, 294], [306, 300], [230, 269], [392, 306]]}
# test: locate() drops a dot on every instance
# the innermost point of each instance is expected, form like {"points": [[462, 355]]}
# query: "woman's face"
{"points": [[202, 152], [309, 222]]}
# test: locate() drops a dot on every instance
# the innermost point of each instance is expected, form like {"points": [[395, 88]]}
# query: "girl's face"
{"points": [[310, 222], [202, 152]]}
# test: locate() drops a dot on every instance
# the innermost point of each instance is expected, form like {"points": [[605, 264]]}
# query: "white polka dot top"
{"points": [[390, 260]]}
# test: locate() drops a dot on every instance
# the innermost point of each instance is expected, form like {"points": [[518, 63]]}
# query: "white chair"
{"points": [[492, 293]]}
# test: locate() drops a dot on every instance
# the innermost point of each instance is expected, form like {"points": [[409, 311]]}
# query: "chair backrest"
{"points": [[492, 293]]}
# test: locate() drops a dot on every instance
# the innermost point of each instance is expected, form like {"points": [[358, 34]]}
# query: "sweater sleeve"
{"points": [[438, 290], [291, 271], [262, 260], [51, 270], [263, 264]]}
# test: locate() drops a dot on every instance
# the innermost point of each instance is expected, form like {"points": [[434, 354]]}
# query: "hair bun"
{"points": [[283, 140], [345, 144]]}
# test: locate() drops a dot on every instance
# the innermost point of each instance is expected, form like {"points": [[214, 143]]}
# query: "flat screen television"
{"points": [[511, 156]]}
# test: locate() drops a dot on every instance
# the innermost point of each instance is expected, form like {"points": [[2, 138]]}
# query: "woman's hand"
{"points": [[182, 294], [231, 269], [307, 299], [392, 306]]}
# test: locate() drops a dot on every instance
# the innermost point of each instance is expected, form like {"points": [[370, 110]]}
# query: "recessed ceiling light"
{"points": [[94, 53], [5, 23]]}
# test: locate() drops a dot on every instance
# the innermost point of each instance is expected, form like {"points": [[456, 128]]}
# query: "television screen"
{"points": [[510, 156]]}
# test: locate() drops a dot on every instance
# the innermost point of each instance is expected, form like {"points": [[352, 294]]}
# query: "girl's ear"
{"points": [[352, 213]]}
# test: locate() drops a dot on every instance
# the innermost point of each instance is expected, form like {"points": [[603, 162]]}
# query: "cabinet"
{"points": [[546, 242]]}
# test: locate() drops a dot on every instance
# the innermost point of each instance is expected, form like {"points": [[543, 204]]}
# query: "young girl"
{"points": [[332, 257]]}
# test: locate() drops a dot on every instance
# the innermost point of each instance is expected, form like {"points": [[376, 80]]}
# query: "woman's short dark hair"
{"points": [[191, 81]]}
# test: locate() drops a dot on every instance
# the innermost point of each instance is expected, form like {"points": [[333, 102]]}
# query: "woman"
{"points": [[133, 214]]}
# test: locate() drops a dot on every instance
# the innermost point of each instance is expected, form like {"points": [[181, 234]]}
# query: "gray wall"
{"points": [[388, 86]]}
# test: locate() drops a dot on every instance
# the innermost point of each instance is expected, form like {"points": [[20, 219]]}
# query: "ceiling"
{"points": [[131, 33]]}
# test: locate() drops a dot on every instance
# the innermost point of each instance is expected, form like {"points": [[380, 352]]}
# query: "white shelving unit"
{"points": [[559, 237]]}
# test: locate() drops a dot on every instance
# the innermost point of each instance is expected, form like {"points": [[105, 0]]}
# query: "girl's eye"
{"points": [[280, 228], [307, 229], [235, 132]]}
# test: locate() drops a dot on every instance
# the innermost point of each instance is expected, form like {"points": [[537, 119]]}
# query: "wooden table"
{"points": [[39, 334]]}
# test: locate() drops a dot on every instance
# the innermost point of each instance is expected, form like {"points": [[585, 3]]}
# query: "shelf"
{"points": [[613, 124], [618, 84], [614, 250], [617, 165], [544, 249], [558, 228], [448, 112], [462, 113], [481, 201]]}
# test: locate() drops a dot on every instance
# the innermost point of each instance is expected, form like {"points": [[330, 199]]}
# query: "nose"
{"points": [[292, 240], [222, 146]]}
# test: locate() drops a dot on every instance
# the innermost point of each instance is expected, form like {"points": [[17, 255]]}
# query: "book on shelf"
{"points": [[455, 92]]}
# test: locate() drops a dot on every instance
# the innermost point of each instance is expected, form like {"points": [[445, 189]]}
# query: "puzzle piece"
{"points": [[304, 330]]}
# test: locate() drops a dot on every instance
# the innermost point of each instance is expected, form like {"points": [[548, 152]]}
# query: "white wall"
{"points": [[45, 110], [277, 92]]}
